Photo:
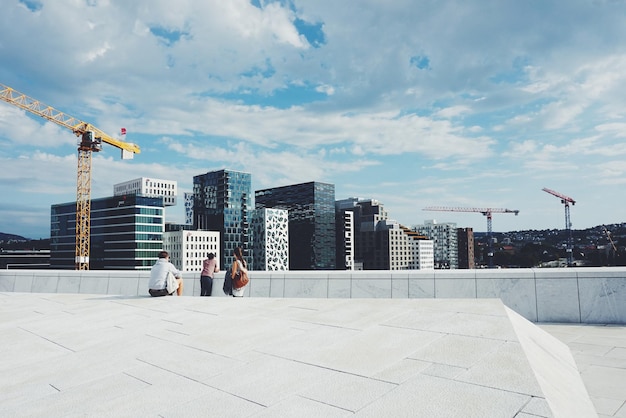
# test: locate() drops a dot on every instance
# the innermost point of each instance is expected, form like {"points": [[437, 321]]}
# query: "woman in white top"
{"points": [[238, 264]]}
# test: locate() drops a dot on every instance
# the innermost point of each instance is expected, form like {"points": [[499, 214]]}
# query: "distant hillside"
{"points": [[18, 242], [11, 237]]}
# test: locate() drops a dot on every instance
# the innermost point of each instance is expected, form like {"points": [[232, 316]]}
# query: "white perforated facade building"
{"points": [[270, 239]]}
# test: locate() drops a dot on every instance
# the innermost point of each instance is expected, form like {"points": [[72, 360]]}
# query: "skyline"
{"points": [[414, 104]]}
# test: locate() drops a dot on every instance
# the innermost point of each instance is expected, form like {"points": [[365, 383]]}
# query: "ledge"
{"points": [[565, 295]]}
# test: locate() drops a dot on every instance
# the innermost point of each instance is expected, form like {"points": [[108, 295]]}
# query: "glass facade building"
{"points": [[311, 208], [126, 233], [446, 244], [222, 201]]}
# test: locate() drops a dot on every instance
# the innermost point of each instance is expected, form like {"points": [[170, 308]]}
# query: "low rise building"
{"points": [[126, 233], [189, 248], [151, 187], [24, 259]]}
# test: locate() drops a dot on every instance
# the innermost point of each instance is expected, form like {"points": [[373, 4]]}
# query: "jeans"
{"points": [[206, 285]]}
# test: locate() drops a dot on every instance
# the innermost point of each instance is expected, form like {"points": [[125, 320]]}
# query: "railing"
{"points": [[577, 295], [25, 265]]}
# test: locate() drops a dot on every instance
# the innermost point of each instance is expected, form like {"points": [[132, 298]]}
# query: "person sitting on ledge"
{"points": [[158, 276]]}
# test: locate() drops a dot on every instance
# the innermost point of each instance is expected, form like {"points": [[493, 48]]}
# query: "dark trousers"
{"points": [[158, 292], [206, 285]]}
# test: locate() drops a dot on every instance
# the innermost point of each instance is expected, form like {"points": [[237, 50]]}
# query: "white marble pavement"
{"points": [[98, 355], [600, 353]]}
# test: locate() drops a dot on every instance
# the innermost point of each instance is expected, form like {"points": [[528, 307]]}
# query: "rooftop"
{"points": [[103, 355]]}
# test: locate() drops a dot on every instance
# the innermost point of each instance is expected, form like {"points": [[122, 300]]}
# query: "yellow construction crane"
{"points": [[91, 139]]}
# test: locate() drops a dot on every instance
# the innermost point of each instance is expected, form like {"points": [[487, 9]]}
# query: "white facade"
{"points": [[150, 187], [188, 208], [425, 250], [407, 250], [270, 239], [345, 242], [189, 248], [446, 242]]}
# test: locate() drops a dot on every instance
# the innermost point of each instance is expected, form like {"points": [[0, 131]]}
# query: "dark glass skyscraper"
{"points": [[126, 233], [221, 202], [465, 244], [311, 209], [370, 248]]}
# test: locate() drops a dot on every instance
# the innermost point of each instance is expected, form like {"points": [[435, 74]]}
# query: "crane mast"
{"points": [[90, 141], [488, 212], [566, 200]]}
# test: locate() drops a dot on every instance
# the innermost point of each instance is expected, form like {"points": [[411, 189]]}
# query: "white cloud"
{"points": [[453, 111], [94, 54], [530, 91], [20, 129], [518, 150], [558, 115], [614, 129], [326, 89]]}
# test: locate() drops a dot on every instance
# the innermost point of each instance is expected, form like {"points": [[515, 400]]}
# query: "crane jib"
{"points": [[91, 139]]}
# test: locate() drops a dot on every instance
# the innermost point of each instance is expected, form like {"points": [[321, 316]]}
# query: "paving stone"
{"points": [[98, 355]]}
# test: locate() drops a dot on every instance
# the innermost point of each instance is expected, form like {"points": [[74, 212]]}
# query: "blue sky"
{"points": [[474, 104]]}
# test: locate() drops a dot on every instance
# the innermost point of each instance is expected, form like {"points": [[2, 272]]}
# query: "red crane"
{"points": [[566, 200], [485, 211]]}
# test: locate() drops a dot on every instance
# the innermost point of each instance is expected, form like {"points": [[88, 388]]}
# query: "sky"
{"points": [[466, 104]]}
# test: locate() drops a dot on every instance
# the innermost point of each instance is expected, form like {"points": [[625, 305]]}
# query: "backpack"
{"points": [[228, 282]]}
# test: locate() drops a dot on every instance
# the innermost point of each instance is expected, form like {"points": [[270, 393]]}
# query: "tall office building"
{"points": [[222, 201], [311, 208], [188, 249], [365, 215], [380, 243], [446, 245], [344, 247], [126, 233], [465, 242], [150, 187], [270, 239]]}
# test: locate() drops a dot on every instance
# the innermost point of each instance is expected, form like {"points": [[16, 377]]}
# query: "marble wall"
{"points": [[577, 295]]}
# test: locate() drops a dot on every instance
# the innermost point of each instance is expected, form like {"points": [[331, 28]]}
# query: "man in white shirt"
{"points": [[158, 276]]}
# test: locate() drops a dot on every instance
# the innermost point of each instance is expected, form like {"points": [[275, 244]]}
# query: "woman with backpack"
{"points": [[239, 273]]}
